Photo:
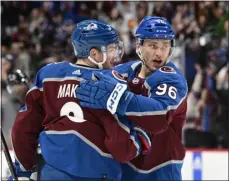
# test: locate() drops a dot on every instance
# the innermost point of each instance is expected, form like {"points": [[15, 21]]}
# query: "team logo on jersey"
{"points": [[167, 69], [135, 81], [91, 26], [76, 72]]}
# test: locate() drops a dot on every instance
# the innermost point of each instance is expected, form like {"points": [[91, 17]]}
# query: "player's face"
{"points": [[155, 52], [114, 53]]}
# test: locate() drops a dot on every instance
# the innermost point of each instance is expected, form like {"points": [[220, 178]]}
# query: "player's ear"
{"points": [[137, 44], [93, 53], [96, 55]]}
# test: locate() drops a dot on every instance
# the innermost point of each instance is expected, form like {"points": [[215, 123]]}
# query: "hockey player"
{"points": [[158, 105], [76, 143]]}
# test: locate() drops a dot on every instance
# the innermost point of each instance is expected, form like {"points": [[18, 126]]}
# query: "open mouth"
{"points": [[157, 62]]}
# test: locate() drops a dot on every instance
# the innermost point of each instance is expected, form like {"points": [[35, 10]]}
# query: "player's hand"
{"points": [[103, 93], [145, 141]]}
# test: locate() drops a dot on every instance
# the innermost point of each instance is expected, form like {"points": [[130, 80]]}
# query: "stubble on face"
{"points": [[155, 57]]}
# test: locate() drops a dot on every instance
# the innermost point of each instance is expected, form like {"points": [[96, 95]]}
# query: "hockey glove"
{"points": [[106, 93], [143, 139]]}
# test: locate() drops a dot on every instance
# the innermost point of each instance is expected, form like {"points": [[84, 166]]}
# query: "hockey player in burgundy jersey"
{"points": [[155, 100], [77, 143]]}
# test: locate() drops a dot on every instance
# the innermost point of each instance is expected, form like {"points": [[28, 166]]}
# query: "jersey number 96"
{"points": [[165, 89]]}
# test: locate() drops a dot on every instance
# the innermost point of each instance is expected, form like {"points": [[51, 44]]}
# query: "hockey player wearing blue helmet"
{"points": [[155, 41], [155, 100], [76, 143], [96, 44]]}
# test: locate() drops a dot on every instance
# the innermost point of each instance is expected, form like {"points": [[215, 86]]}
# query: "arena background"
{"points": [[37, 33]]}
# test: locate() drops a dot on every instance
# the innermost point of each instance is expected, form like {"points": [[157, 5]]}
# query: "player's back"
{"points": [[72, 136], [167, 151], [74, 139]]}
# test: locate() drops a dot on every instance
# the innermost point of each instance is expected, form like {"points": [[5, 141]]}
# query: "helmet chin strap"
{"points": [[171, 53], [139, 52], [99, 64]]}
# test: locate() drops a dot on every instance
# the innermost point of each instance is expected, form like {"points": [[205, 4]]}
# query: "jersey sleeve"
{"points": [[121, 141], [154, 113], [27, 126]]}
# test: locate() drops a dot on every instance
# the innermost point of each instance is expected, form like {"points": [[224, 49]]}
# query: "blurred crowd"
{"points": [[37, 33]]}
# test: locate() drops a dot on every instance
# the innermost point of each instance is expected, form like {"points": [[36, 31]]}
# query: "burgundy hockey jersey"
{"points": [[80, 141], [163, 115]]}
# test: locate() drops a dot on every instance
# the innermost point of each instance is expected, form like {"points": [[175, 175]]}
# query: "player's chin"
{"points": [[109, 65], [112, 63], [154, 66]]}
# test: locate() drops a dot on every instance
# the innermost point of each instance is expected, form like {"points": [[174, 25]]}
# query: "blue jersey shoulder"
{"points": [[63, 70], [168, 74], [51, 70], [128, 69], [166, 85]]}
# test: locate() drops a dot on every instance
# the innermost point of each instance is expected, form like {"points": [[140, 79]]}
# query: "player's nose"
{"points": [[158, 53]]}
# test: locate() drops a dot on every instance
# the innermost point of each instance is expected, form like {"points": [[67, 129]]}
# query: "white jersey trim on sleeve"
{"points": [[83, 139], [161, 112], [54, 80], [62, 79], [123, 126], [155, 168]]}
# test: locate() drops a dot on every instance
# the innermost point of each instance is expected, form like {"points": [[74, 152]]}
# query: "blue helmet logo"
{"points": [[91, 26], [92, 34], [153, 27]]}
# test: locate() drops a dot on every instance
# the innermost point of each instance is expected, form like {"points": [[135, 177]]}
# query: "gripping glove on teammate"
{"points": [[143, 139], [106, 93]]}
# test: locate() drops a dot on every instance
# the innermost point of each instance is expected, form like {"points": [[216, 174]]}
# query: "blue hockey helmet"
{"points": [[154, 27], [90, 34]]}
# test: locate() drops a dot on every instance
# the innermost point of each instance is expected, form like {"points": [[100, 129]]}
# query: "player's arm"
{"points": [[155, 113], [123, 140], [27, 126]]}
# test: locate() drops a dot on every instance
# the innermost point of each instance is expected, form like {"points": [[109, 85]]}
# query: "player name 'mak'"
{"points": [[67, 90]]}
